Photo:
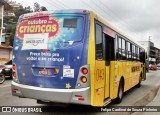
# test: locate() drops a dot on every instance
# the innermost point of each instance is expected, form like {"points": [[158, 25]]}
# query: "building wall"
{"points": [[5, 55], [158, 56], [5, 50], [144, 44], [152, 52]]}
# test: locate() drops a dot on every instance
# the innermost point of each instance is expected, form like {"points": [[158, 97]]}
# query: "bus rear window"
{"points": [[70, 23], [39, 32]]}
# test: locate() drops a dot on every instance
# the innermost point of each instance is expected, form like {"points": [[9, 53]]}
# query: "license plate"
{"points": [[45, 72]]}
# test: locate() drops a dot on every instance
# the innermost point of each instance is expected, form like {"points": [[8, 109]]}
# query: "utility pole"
{"points": [[148, 52], [149, 47], [1, 22]]}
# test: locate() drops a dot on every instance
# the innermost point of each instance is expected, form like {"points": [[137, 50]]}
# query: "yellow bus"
{"points": [[117, 64], [74, 56]]}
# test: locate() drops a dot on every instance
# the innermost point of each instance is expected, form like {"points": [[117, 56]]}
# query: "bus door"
{"points": [[104, 54], [143, 60], [109, 56], [99, 78]]}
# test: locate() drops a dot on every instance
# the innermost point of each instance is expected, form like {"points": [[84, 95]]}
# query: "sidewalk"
{"points": [[154, 102]]}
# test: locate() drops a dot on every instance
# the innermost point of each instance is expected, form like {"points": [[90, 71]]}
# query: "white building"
{"points": [[5, 51], [150, 49]]}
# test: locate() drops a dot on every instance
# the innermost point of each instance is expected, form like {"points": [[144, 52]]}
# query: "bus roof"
{"points": [[47, 13]]}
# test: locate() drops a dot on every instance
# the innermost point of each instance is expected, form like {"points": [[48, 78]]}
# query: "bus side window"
{"points": [[126, 51], [138, 54], [133, 52], [123, 49], [129, 51], [116, 47], [99, 40], [119, 48]]}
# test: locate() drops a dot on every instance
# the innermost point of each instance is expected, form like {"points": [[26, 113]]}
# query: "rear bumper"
{"points": [[53, 95]]}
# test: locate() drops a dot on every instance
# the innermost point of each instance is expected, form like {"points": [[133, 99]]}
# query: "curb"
{"points": [[154, 102]]}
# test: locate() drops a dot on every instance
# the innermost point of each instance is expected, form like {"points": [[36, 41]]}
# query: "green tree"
{"points": [[28, 9], [38, 8], [11, 32], [43, 8], [21, 10], [11, 21]]}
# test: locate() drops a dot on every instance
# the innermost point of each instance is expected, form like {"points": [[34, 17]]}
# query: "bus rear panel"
{"points": [[48, 57]]}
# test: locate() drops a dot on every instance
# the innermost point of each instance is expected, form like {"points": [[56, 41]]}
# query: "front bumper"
{"points": [[53, 95]]}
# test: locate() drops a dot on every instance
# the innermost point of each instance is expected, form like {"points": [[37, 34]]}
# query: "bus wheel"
{"points": [[139, 84], [120, 92]]}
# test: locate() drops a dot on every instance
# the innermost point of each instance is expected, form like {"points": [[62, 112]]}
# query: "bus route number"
{"points": [[99, 74]]}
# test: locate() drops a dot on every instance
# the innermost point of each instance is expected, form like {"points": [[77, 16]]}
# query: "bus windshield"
{"points": [[42, 32]]}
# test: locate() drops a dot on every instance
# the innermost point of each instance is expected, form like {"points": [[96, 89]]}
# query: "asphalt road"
{"points": [[134, 97]]}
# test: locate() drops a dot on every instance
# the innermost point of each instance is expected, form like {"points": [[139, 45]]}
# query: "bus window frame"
{"points": [[123, 49], [102, 56]]}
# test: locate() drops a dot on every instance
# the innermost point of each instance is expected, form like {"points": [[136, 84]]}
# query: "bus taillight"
{"points": [[83, 79], [84, 70], [14, 67], [14, 71], [14, 74]]}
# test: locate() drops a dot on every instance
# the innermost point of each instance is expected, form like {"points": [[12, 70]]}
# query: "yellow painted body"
{"points": [[99, 84], [105, 79]]}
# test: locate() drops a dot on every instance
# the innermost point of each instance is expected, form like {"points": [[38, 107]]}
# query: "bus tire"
{"points": [[120, 92], [139, 84]]}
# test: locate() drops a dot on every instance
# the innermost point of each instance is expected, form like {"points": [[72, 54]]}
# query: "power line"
{"points": [[55, 4], [101, 10], [100, 6], [106, 13], [51, 4], [101, 14], [59, 4], [115, 14], [62, 4]]}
